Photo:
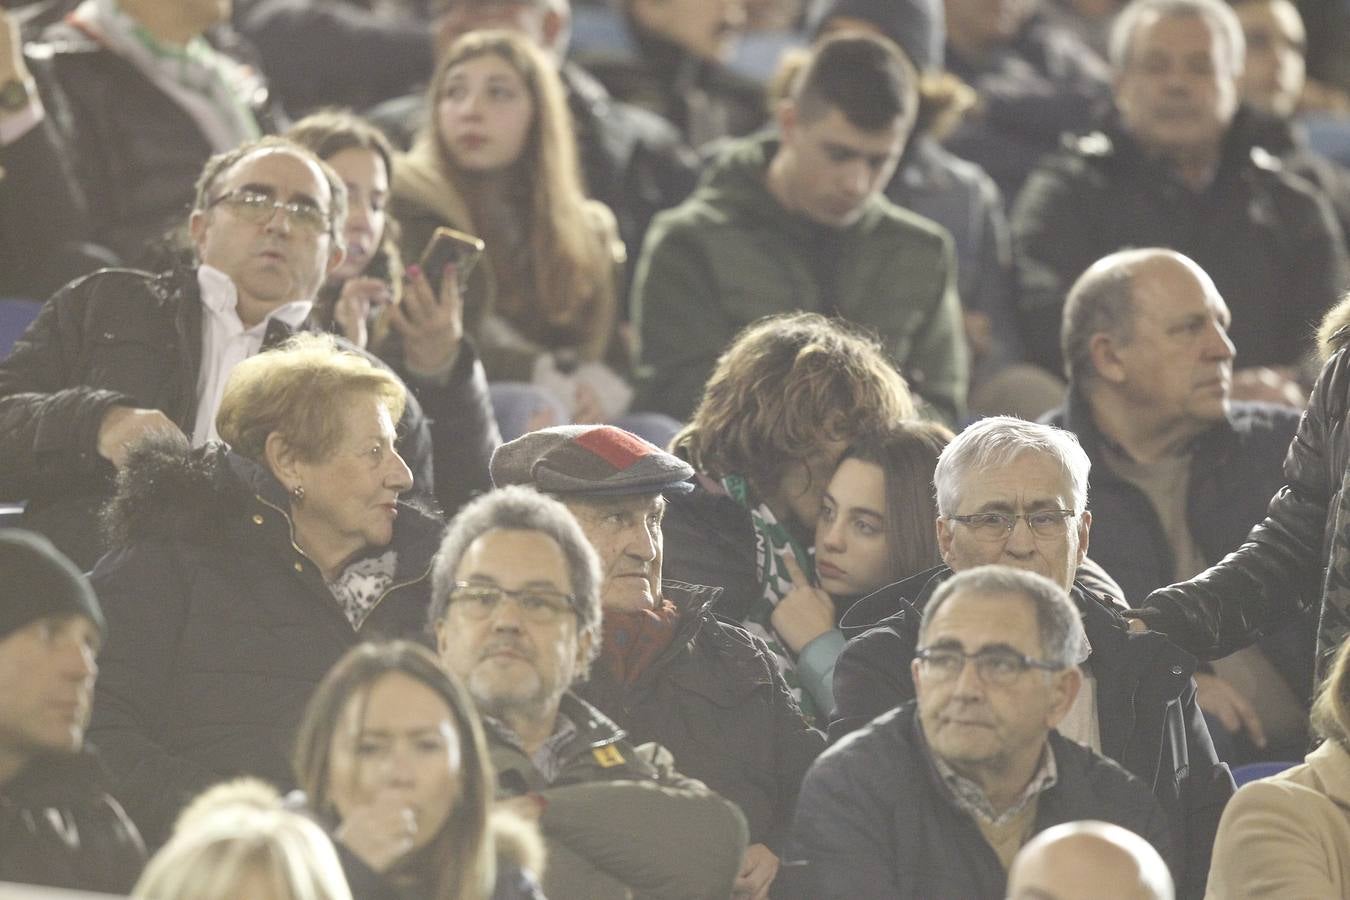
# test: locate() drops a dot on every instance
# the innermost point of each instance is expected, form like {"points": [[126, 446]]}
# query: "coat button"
{"points": [[1176, 670], [299, 567], [257, 519]]}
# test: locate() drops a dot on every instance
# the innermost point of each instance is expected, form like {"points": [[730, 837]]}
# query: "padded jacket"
{"points": [[876, 819], [219, 627], [716, 700], [1146, 707], [121, 336]]}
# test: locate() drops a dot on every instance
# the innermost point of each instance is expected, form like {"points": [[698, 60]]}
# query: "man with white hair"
{"points": [[1089, 861], [1176, 167], [935, 798], [1014, 493]]}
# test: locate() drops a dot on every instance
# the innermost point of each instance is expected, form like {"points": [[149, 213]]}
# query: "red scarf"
{"points": [[634, 639]]}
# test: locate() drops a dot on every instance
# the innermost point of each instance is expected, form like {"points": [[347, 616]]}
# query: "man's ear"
{"points": [[916, 672], [1104, 351], [944, 538], [336, 254], [583, 651], [556, 24], [1064, 687], [197, 225], [1084, 529], [786, 115], [442, 639], [282, 461]]}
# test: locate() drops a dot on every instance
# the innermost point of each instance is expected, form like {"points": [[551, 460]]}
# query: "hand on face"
{"points": [[382, 831], [805, 612]]}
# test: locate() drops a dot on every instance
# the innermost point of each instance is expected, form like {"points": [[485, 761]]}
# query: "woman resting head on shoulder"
{"points": [[392, 758], [876, 523], [499, 160], [237, 840]]}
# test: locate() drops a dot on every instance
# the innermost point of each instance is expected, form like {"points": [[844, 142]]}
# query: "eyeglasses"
{"points": [[1044, 523], [538, 605], [999, 667], [258, 207]]}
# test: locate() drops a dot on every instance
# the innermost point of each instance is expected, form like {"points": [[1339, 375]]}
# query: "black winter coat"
{"points": [[1296, 559], [59, 828], [876, 820], [716, 700], [1269, 240], [126, 337], [1146, 707], [219, 628]]}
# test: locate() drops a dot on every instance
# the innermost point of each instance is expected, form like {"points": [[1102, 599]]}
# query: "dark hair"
{"points": [[220, 165], [462, 854], [866, 78], [907, 453]]}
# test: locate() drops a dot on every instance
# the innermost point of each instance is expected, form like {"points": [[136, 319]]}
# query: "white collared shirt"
{"points": [[226, 343]]}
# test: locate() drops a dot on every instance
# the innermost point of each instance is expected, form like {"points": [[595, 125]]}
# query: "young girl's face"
{"points": [[484, 114], [851, 554], [367, 181], [397, 746]]}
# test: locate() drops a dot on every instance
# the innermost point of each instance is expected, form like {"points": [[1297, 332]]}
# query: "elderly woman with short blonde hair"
{"points": [[240, 573]]}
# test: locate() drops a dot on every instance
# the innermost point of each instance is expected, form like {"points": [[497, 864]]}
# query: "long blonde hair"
{"points": [[573, 267]]}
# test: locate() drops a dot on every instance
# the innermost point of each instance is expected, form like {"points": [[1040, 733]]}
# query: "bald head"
{"points": [[1089, 861]]}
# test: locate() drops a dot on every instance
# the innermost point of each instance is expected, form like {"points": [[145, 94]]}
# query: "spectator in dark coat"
{"points": [[1180, 473], [669, 671], [239, 576], [935, 798], [1176, 169], [1137, 705], [122, 352], [58, 826]]}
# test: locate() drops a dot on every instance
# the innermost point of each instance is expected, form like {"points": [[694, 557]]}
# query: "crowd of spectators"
{"points": [[855, 448]]}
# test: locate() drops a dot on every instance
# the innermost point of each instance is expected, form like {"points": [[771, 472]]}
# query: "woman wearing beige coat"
{"points": [[1288, 836]]}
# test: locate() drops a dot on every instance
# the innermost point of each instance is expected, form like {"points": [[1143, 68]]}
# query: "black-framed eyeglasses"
{"points": [[259, 207], [1046, 523], [481, 601], [1000, 667]]}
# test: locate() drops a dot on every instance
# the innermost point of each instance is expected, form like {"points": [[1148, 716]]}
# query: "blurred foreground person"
{"points": [[236, 841], [516, 612], [240, 574], [58, 826], [391, 757], [935, 798], [1089, 861], [1289, 835]]}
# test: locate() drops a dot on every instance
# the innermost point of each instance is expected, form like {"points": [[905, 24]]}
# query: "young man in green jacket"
{"points": [[798, 221]]}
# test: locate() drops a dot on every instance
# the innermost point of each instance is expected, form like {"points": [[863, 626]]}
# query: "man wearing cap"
{"points": [[669, 671], [58, 826]]}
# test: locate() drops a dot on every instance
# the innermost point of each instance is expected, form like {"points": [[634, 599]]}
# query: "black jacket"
{"points": [[1296, 559], [59, 828], [1268, 239], [709, 539], [716, 700], [876, 820], [127, 337], [1146, 707], [219, 628]]}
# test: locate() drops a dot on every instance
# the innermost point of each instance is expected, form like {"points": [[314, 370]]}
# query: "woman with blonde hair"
{"points": [[1289, 835], [498, 160], [392, 759], [240, 573], [237, 840]]}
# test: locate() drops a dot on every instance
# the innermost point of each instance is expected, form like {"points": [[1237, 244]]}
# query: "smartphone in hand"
{"points": [[449, 246]]}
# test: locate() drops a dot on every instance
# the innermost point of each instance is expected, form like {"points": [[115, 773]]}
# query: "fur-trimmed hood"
{"points": [[167, 488], [1334, 332]]}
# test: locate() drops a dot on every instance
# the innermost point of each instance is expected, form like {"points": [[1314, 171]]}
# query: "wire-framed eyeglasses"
{"points": [[999, 667], [481, 601], [258, 207], [996, 526]]}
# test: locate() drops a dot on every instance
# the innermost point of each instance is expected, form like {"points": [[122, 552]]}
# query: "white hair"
{"points": [[997, 441], [1220, 16]]}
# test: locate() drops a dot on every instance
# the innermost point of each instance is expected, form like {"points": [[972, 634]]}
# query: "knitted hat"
{"points": [[36, 581], [916, 25], [599, 460]]}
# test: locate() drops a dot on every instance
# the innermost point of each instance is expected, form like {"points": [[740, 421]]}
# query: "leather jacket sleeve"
{"points": [[1279, 570]]}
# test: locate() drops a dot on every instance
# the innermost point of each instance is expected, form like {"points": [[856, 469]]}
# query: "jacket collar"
{"points": [[1331, 764], [1076, 416]]}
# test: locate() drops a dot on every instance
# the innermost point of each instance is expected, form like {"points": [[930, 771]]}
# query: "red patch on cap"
{"points": [[615, 446]]}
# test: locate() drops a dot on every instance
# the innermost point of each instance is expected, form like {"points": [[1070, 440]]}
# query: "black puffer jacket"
{"points": [[1269, 240], [219, 628], [126, 337], [59, 828], [716, 700], [875, 819], [1297, 558], [1146, 707]]}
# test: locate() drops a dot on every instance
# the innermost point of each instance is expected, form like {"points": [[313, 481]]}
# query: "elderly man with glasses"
{"points": [[122, 353], [935, 798], [516, 612], [1014, 493]]}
